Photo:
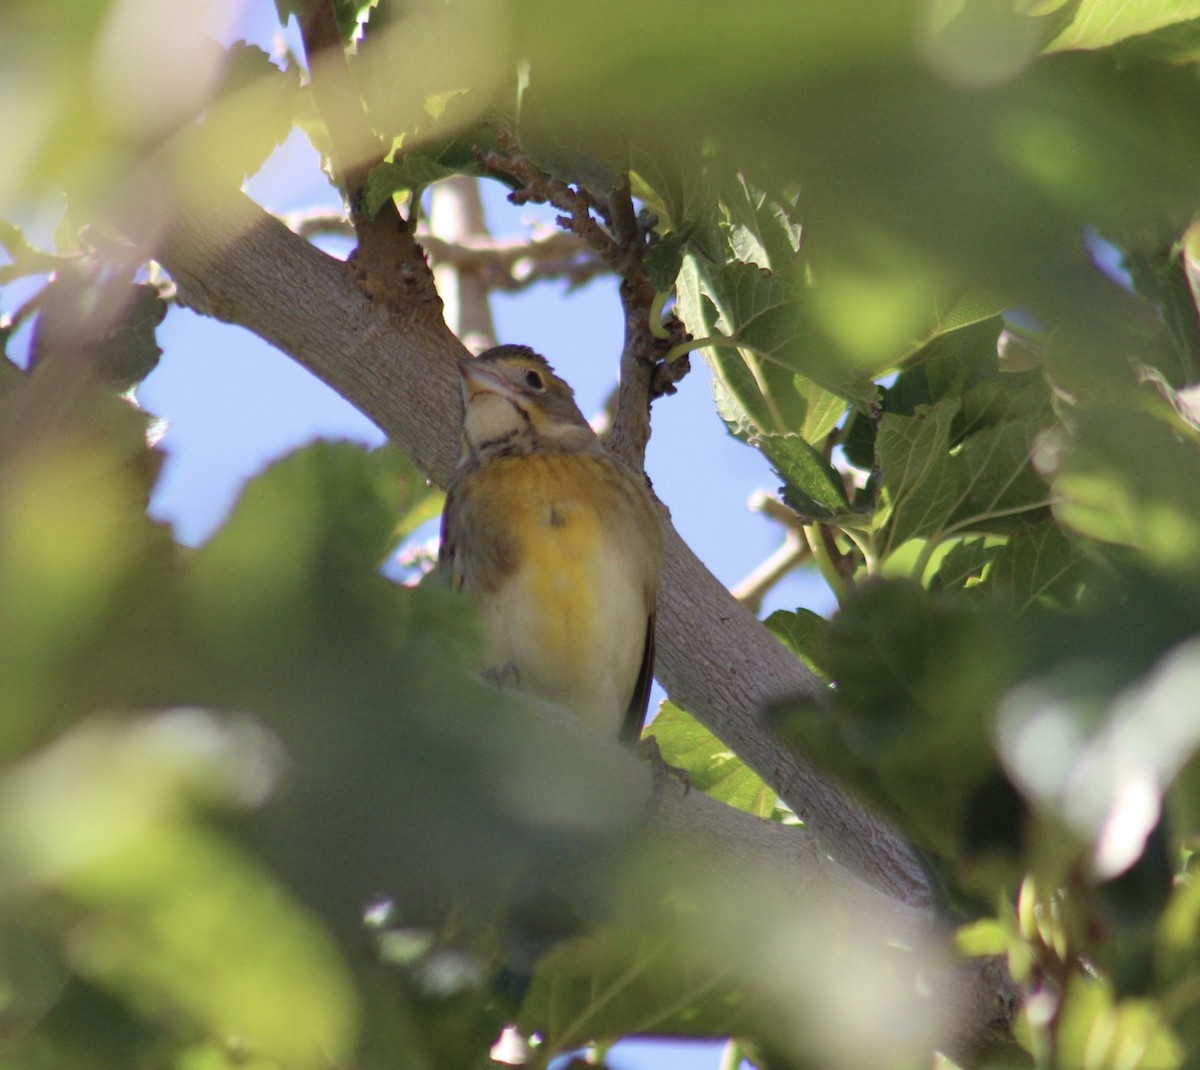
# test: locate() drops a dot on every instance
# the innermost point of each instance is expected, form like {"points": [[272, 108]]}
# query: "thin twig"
{"points": [[457, 213], [610, 227], [752, 590], [26, 259], [792, 552]]}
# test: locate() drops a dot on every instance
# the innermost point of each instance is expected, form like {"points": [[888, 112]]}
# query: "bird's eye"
{"points": [[534, 381]]}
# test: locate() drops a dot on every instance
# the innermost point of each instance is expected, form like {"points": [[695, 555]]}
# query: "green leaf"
{"points": [[664, 259], [962, 466], [714, 769], [946, 366], [922, 485], [434, 157], [998, 481], [1099, 23], [762, 229], [618, 982], [1038, 565], [763, 379], [964, 565], [680, 189], [803, 632], [813, 488], [1129, 478]]}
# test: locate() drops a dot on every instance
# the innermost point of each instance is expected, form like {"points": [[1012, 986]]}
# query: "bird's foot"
{"points": [[660, 769]]}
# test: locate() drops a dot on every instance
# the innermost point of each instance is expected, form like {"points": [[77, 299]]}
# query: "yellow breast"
{"points": [[570, 581]]}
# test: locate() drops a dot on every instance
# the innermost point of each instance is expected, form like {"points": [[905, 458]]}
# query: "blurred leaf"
{"points": [[1095, 1031], [298, 539], [426, 71], [619, 982], [73, 460], [984, 937], [110, 323], [1116, 751], [714, 769], [1098, 23], [1126, 477], [565, 149], [1178, 937], [917, 675], [159, 903], [419, 500], [253, 112], [33, 975]]}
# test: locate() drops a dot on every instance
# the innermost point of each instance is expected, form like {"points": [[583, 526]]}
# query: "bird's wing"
{"points": [[448, 562], [639, 701]]}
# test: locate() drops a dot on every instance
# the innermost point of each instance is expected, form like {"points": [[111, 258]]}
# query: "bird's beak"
{"points": [[479, 377]]}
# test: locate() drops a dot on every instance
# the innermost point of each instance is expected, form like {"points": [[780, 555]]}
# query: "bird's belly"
{"points": [[572, 617]]}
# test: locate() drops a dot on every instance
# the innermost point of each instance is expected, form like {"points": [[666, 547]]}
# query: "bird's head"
{"points": [[514, 402]]}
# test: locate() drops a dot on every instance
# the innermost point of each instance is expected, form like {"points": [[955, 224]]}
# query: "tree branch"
{"points": [[391, 264], [715, 659], [646, 373], [509, 264], [457, 216], [242, 266]]}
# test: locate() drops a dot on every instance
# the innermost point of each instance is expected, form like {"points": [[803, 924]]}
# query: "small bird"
{"points": [[557, 541]]}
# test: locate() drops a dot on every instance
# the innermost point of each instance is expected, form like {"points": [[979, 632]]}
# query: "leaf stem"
{"points": [[655, 316], [864, 546], [708, 341], [838, 583]]}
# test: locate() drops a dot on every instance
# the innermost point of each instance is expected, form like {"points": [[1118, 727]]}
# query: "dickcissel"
{"points": [[556, 540]]}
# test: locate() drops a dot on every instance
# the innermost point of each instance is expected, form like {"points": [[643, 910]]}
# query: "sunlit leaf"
{"points": [[712, 766], [1097, 23], [964, 565], [1094, 1030]]}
